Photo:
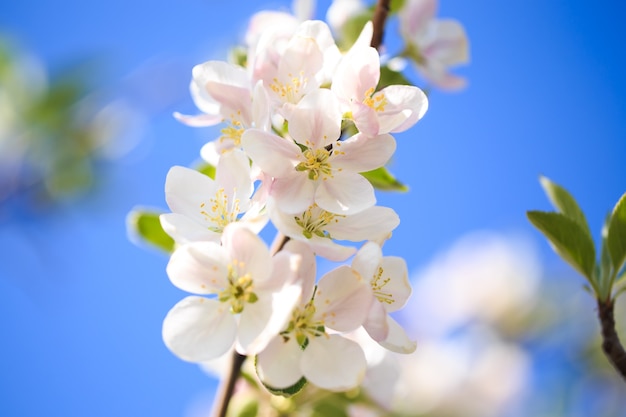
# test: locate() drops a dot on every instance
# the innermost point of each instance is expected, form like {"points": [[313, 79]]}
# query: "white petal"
{"points": [[294, 193], [275, 155], [197, 329], [345, 193], [342, 299], [248, 250], [369, 224], [398, 287], [308, 266], [186, 190], [278, 366], [199, 267], [367, 260], [376, 322], [406, 105], [397, 339], [184, 230], [333, 363], [233, 175], [363, 153], [201, 120], [316, 120]]}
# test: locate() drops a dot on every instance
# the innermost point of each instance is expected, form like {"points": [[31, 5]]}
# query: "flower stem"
{"points": [[227, 387], [380, 16], [611, 345]]}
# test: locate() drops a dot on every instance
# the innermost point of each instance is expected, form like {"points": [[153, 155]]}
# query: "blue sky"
{"points": [[81, 307]]}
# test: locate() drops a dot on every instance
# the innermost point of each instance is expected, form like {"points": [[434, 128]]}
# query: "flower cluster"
{"points": [[301, 121]]}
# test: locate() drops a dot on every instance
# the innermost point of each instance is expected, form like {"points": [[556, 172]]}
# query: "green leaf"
{"points": [[206, 169], [249, 409], [351, 30], [616, 234], [145, 226], [382, 179], [395, 6], [391, 77], [569, 240], [289, 391], [563, 202]]}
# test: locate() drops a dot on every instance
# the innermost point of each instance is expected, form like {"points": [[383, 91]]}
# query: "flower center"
{"points": [[239, 290], [219, 212], [375, 101], [290, 91], [316, 162], [378, 283], [314, 221], [303, 325]]}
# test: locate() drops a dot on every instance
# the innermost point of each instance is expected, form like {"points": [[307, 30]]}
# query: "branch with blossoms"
{"points": [[307, 130]]}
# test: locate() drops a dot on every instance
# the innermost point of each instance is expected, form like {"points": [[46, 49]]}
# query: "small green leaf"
{"points": [[569, 240], [206, 169], [289, 391], [145, 226], [351, 30], [564, 203], [249, 409], [382, 179], [616, 235], [391, 77]]}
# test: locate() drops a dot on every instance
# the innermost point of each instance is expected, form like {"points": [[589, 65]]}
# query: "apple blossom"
{"points": [[203, 207], [306, 349], [389, 281], [434, 45], [253, 295]]}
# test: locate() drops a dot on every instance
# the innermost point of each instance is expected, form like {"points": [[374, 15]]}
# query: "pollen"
{"points": [[221, 211], [378, 283], [376, 101]]}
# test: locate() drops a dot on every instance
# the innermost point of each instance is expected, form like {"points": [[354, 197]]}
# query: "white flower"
{"points": [[305, 348], [434, 45], [202, 207], [254, 294], [318, 228], [318, 168], [389, 280]]}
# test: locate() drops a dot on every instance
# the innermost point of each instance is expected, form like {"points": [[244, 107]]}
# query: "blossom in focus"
{"points": [[252, 293], [203, 207], [306, 348], [319, 228], [395, 108], [389, 281], [434, 45]]}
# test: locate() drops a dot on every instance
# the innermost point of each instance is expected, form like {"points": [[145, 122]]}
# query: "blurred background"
{"points": [[87, 91]]}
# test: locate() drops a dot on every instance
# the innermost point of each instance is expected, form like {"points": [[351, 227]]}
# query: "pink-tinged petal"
{"points": [[278, 365], [183, 229], [316, 120], [285, 268], [340, 11], [247, 251], [342, 299], [370, 224], [330, 250], [415, 16], [235, 101], [406, 105], [362, 153], [293, 193], [439, 77], [345, 193], [449, 46], [261, 109], [275, 155], [376, 322], [233, 175], [203, 100], [262, 321], [266, 20], [298, 69], [397, 340], [199, 267], [320, 31], [220, 72], [365, 119], [367, 260], [197, 329], [396, 288], [187, 190], [334, 363], [201, 120], [357, 74]]}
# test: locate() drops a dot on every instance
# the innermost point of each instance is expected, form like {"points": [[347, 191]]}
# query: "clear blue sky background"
{"points": [[81, 307]]}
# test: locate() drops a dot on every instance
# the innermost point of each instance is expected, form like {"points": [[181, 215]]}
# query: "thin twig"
{"points": [[611, 344], [227, 386], [380, 16]]}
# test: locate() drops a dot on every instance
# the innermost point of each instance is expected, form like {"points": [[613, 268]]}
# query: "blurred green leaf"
{"points": [[563, 202], [249, 409], [391, 77], [569, 240], [382, 179], [289, 391], [616, 234], [395, 6], [207, 169], [146, 226], [351, 30]]}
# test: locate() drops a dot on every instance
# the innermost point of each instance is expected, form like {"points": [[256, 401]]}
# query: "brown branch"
{"points": [[380, 16], [611, 345], [227, 388]]}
